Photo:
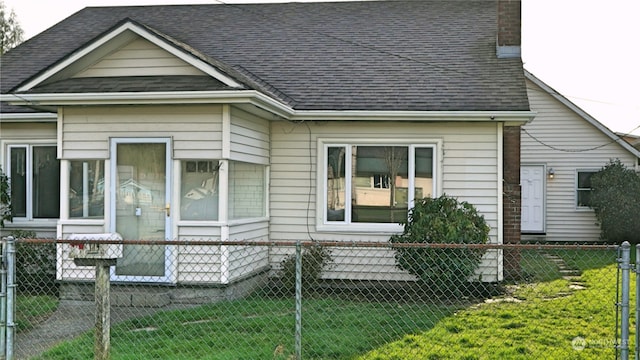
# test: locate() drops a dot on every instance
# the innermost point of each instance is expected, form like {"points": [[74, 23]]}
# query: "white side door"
{"points": [[532, 178]]}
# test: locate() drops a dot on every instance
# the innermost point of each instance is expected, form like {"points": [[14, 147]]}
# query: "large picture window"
{"points": [[34, 173], [376, 183]]}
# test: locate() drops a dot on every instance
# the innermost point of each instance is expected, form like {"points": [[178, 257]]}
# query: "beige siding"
{"points": [[139, 58], [558, 126], [469, 149], [195, 130], [245, 261], [249, 137]]}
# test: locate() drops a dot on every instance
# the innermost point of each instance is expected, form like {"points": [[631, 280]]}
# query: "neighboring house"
{"points": [[263, 122], [561, 148]]}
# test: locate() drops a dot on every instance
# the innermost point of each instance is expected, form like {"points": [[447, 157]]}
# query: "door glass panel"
{"points": [[140, 207]]}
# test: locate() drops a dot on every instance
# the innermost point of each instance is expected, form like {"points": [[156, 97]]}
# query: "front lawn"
{"points": [[261, 328], [550, 317], [549, 320]]}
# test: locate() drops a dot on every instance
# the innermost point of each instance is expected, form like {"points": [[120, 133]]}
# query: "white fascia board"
{"points": [[147, 35], [21, 117], [511, 117], [148, 98]]}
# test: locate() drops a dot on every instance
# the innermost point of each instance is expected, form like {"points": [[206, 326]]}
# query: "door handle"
{"points": [[167, 208]]}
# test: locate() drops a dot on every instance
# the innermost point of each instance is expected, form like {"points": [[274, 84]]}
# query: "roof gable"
{"points": [[127, 50], [581, 113]]}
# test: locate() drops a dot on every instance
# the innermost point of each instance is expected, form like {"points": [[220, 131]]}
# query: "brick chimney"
{"points": [[509, 23]]}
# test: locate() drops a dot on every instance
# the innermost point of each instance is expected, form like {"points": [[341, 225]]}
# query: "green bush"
{"points": [[314, 260], [443, 220], [35, 265], [615, 197], [5, 199]]}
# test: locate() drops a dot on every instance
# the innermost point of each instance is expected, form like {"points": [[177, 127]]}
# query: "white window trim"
{"points": [[7, 145], [322, 225], [575, 189]]}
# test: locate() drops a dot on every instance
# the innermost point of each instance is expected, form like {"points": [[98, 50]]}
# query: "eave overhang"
{"points": [[258, 99]]}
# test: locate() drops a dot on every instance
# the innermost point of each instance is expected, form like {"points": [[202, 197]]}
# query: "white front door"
{"points": [[532, 178], [141, 208]]}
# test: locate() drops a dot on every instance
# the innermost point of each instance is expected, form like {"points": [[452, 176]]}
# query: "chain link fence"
{"points": [[321, 300]]}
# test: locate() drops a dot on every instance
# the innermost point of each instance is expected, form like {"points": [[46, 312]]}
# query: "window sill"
{"points": [[361, 228]]}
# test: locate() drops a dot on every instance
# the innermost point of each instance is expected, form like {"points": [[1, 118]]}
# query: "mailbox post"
{"points": [[91, 251]]}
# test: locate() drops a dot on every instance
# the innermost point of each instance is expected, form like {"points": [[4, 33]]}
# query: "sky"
{"points": [[587, 50]]}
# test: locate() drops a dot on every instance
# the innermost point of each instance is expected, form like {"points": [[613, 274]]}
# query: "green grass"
{"points": [[539, 319], [33, 309], [252, 328]]}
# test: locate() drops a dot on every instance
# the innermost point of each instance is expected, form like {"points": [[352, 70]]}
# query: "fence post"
{"points": [[625, 266], [11, 296], [298, 335], [3, 300], [637, 336]]}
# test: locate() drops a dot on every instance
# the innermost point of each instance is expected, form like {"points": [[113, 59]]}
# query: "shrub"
{"points": [[615, 197], [35, 265], [447, 221], [314, 260], [5, 199]]}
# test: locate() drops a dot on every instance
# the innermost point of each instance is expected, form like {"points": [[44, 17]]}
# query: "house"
{"points": [[263, 122], [561, 148]]}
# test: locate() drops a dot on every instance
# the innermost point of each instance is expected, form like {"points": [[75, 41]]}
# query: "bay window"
{"points": [[86, 189], [375, 183]]}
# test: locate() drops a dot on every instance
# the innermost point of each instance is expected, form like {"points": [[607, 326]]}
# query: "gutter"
{"points": [[260, 100]]}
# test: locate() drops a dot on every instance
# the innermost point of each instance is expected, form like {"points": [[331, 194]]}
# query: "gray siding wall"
{"points": [[558, 126]]}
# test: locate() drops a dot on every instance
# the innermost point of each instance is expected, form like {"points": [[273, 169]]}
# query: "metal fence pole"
{"points": [[3, 300], [637, 336], [298, 335], [11, 295], [625, 266]]}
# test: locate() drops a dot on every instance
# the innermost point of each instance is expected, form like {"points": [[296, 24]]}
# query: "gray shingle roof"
{"points": [[383, 55], [132, 84]]}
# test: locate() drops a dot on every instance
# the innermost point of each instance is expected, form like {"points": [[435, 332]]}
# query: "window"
{"points": [[583, 188], [199, 190], [34, 173], [375, 183], [247, 190], [86, 189]]}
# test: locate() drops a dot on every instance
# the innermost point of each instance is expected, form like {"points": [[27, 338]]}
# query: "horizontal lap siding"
{"points": [[247, 260], [249, 137], [28, 131], [195, 130], [139, 58], [198, 263], [560, 127], [469, 149]]}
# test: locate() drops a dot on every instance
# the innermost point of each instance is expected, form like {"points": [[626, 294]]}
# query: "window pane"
{"points": [[584, 179], [199, 190], [86, 193], [380, 183], [584, 197], [246, 190], [424, 173], [336, 191], [18, 181], [46, 182], [584, 188]]}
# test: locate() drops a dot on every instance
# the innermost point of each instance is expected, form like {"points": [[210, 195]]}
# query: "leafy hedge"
{"points": [[443, 220]]}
